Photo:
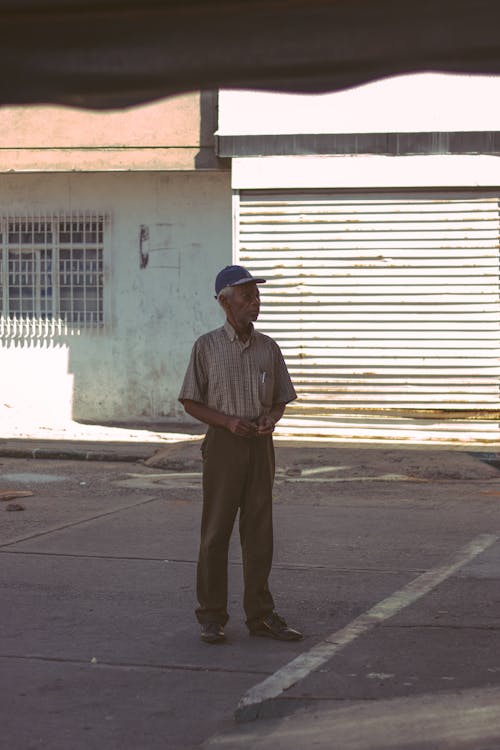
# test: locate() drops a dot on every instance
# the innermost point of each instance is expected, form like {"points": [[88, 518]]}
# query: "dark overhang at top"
{"points": [[388, 144], [111, 53]]}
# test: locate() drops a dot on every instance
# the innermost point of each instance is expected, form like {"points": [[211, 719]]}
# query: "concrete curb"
{"points": [[74, 454]]}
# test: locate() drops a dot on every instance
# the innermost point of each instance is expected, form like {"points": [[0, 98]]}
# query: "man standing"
{"points": [[238, 384]]}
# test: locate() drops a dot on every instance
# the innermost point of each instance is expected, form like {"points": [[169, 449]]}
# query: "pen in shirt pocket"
{"points": [[264, 376]]}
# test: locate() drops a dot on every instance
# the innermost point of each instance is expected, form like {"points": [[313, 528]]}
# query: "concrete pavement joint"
{"points": [[77, 523], [248, 708], [84, 556], [130, 665], [178, 561]]}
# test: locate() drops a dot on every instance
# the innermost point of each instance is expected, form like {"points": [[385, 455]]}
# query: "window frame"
{"points": [[54, 226]]}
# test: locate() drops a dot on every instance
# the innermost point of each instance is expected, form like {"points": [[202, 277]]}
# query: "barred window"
{"points": [[52, 269]]}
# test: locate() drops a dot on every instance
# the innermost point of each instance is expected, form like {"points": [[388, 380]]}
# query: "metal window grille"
{"points": [[51, 270]]}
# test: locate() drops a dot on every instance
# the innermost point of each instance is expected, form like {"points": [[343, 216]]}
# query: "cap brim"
{"points": [[247, 281]]}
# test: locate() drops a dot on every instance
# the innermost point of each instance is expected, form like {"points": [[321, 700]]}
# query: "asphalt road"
{"points": [[388, 561]]}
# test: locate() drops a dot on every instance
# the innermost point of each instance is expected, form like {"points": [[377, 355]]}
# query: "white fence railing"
{"points": [[39, 328]]}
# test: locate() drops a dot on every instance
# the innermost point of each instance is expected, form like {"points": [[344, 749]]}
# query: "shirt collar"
{"points": [[233, 336]]}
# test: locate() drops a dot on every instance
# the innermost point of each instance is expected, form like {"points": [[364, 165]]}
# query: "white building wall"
{"points": [[133, 367]]}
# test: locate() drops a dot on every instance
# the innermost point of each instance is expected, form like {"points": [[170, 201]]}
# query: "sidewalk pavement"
{"points": [[174, 445]]}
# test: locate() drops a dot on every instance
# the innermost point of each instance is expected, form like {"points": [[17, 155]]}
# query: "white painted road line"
{"points": [[331, 480], [322, 470], [304, 664]]}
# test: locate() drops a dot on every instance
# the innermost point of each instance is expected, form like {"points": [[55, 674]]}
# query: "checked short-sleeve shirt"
{"points": [[240, 379]]}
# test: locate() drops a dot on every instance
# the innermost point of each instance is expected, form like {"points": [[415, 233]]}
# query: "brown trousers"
{"points": [[238, 473]]}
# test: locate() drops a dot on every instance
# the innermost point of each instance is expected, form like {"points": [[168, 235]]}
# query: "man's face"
{"points": [[243, 306]]}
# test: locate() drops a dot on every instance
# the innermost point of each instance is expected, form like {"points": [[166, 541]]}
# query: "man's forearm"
{"points": [[236, 425], [205, 414]]}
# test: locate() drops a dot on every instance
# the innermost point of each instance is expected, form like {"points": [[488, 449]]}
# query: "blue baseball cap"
{"points": [[234, 276]]}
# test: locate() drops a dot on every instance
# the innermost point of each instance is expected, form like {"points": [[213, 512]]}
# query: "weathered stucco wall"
{"points": [[175, 133], [134, 366]]}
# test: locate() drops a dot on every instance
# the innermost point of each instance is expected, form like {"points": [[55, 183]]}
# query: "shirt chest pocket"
{"points": [[266, 387]]}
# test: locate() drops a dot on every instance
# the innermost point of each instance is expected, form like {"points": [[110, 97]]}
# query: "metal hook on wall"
{"points": [[143, 246]]}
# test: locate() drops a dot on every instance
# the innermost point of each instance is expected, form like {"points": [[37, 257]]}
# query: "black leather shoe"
{"points": [[274, 626], [212, 632]]}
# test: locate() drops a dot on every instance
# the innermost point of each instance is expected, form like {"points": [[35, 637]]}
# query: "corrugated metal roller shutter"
{"points": [[379, 302]]}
